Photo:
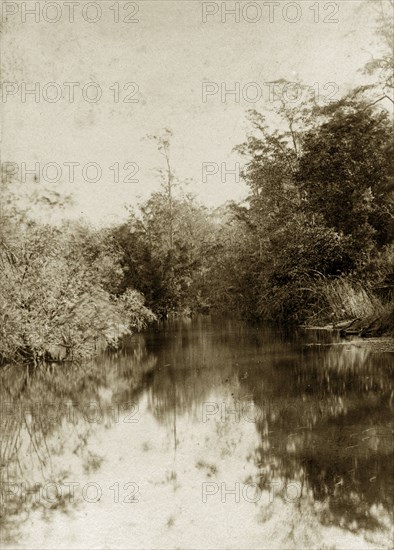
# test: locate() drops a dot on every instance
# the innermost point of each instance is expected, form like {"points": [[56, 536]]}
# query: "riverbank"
{"points": [[377, 345], [374, 332], [373, 326]]}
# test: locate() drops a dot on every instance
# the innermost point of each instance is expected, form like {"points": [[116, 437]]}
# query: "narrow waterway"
{"points": [[202, 434]]}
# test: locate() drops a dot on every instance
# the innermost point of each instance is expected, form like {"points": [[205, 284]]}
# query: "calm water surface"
{"points": [[202, 434]]}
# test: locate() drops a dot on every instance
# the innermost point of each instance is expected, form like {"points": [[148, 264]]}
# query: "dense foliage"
{"points": [[166, 261], [59, 293], [320, 211], [313, 242]]}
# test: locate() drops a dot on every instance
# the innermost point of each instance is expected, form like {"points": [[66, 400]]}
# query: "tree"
{"points": [[169, 276], [60, 296], [345, 174], [168, 177]]}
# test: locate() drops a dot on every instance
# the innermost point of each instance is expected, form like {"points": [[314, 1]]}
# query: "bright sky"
{"points": [[168, 54]]}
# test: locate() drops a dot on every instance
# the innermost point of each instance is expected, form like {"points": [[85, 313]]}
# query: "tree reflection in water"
{"points": [[48, 414], [322, 411]]}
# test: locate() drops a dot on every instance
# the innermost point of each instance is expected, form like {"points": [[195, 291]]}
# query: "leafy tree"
{"points": [[169, 273], [321, 206], [345, 174], [60, 292]]}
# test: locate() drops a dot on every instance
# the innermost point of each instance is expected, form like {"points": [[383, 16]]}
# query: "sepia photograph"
{"points": [[196, 275]]}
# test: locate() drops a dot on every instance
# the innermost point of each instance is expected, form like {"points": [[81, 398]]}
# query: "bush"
{"points": [[54, 297]]}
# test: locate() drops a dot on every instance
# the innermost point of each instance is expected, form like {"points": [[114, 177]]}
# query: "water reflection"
{"points": [[197, 402]]}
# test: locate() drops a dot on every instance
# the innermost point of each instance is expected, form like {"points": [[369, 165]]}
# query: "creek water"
{"points": [[202, 434]]}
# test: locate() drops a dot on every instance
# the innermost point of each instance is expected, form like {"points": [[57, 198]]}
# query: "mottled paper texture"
{"points": [[196, 243]]}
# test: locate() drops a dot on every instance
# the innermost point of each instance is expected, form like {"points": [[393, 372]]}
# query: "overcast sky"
{"points": [[167, 54]]}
